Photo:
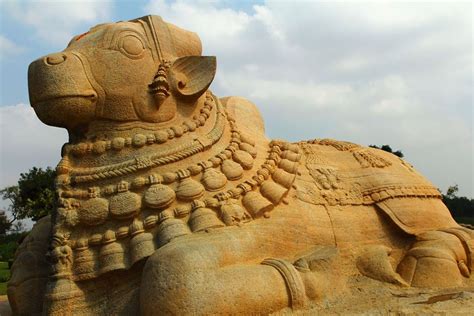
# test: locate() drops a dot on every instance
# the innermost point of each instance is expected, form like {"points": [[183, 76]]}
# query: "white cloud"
{"points": [[376, 72], [25, 142], [8, 47], [57, 21]]}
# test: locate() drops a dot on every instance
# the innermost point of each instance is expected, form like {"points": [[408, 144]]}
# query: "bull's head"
{"points": [[139, 70]]}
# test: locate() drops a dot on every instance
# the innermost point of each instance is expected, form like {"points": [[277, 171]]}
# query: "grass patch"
{"points": [[4, 276], [3, 288]]}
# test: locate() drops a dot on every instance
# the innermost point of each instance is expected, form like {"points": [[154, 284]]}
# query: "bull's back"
{"points": [[369, 195]]}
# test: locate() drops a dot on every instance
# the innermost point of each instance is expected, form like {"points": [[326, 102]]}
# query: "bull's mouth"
{"points": [[90, 95]]}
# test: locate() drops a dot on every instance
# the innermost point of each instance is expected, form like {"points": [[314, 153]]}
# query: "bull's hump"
{"points": [[344, 173]]}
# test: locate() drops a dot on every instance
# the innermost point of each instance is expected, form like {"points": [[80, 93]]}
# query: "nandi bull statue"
{"points": [[173, 201]]}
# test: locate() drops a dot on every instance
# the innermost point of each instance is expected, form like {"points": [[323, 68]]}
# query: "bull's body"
{"points": [[292, 228]]}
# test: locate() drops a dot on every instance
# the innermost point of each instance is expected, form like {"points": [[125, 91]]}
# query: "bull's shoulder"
{"points": [[245, 113]]}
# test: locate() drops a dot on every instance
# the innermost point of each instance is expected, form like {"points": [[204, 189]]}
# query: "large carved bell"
{"points": [[203, 218], [169, 229], [256, 204]]}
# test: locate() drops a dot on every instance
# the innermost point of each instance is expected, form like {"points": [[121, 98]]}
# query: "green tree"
{"points": [[5, 224], [452, 191], [387, 148], [461, 208], [34, 196]]}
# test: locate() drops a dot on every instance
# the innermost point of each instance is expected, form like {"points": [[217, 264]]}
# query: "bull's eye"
{"points": [[132, 46]]}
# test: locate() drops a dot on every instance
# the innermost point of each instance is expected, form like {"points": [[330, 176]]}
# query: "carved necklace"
{"points": [[148, 211], [161, 136]]}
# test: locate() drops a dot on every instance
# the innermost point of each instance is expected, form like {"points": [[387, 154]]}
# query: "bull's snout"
{"points": [[55, 59], [61, 92]]}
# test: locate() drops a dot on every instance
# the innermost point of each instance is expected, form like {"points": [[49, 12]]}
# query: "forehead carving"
{"points": [[165, 40], [126, 37]]}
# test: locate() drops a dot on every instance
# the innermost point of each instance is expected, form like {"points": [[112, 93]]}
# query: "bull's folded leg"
{"points": [[439, 258], [192, 279], [212, 290]]}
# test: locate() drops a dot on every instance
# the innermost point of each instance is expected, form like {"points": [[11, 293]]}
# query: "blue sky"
{"points": [[376, 72]]}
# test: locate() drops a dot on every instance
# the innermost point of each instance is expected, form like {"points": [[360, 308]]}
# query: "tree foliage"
{"points": [[461, 208], [34, 196], [5, 224], [387, 148]]}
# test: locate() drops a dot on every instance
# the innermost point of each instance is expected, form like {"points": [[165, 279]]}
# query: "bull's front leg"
{"points": [[224, 274]]}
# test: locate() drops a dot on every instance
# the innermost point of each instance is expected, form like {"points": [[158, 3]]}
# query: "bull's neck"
{"points": [[109, 149]]}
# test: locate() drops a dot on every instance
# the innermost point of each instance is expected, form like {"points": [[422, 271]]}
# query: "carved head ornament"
{"points": [[139, 70]]}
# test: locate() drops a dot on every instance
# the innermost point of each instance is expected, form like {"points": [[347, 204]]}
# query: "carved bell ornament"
{"points": [[169, 229], [203, 218], [112, 253], [256, 204], [273, 191]]}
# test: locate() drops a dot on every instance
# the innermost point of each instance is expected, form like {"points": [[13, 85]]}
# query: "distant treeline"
{"points": [[461, 208]]}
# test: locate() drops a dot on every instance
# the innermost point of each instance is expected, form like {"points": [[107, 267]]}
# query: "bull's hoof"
{"points": [[374, 262]]}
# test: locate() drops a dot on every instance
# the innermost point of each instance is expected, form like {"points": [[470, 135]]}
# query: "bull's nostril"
{"points": [[55, 59]]}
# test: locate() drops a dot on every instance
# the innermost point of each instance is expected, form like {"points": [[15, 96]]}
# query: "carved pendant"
{"points": [[232, 170], [213, 179], [290, 155], [125, 204], [94, 211], [244, 159], [159, 196], [248, 148], [247, 139], [189, 189]]}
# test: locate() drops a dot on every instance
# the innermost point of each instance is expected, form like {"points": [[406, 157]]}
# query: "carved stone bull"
{"points": [[171, 200]]}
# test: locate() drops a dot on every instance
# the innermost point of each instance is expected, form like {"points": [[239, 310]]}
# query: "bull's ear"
{"points": [[190, 76]]}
